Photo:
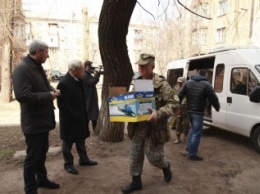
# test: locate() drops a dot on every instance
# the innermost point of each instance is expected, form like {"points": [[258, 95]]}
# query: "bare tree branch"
{"points": [[193, 11], [164, 9], [145, 10]]}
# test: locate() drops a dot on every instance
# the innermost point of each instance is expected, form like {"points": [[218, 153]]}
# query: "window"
{"points": [[222, 7], [243, 81], [172, 76], [221, 35], [194, 38], [28, 28], [203, 9], [252, 82], [53, 29], [219, 78], [203, 36], [53, 50], [138, 34]]}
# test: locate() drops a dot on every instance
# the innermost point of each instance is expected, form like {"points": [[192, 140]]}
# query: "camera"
{"points": [[97, 69]]}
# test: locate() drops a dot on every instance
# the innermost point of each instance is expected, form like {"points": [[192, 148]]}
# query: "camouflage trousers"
{"points": [[182, 125], [141, 146]]}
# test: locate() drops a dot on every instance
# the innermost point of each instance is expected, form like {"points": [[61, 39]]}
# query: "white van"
{"points": [[233, 73]]}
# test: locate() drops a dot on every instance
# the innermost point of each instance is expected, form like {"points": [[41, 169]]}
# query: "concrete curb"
{"points": [[53, 151]]}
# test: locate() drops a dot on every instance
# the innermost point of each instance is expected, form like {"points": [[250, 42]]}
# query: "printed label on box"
{"points": [[131, 107]]}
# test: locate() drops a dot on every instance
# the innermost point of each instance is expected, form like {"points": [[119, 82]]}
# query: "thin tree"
{"points": [[11, 46], [113, 28], [6, 59]]}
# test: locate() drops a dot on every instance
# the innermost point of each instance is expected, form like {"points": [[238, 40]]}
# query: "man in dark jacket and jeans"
{"points": [[35, 95], [197, 90]]}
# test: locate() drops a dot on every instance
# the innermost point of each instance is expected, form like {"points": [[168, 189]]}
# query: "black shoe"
{"points": [[167, 173], [135, 185], [70, 169], [195, 158], [48, 184], [88, 163]]}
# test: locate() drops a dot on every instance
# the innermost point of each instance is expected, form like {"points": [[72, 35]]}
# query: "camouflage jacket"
{"points": [[165, 106], [182, 109]]}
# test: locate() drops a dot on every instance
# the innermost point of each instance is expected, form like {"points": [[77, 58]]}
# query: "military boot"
{"points": [[167, 173], [178, 140], [135, 185]]}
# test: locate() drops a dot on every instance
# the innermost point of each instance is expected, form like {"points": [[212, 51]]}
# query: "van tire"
{"points": [[255, 139]]}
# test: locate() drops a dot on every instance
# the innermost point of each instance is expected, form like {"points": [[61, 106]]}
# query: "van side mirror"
{"points": [[254, 95]]}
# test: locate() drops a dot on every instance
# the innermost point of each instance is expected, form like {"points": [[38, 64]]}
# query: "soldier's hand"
{"points": [[153, 117]]}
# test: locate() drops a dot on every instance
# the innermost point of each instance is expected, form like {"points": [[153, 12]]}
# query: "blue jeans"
{"points": [[195, 134]]}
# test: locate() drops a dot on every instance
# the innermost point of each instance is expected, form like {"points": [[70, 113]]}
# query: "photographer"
{"points": [[89, 84]]}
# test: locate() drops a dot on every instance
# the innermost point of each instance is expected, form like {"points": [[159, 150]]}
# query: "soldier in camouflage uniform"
{"points": [[182, 121], [148, 137]]}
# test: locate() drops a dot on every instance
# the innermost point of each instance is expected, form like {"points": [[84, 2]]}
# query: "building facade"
{"points": [[227, 23], [65, 35]]}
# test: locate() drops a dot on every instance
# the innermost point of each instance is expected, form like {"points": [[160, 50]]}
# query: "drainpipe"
{"points": [[251, 20]]}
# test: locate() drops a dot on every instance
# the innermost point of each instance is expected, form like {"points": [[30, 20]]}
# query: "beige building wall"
{"points": [[64, 37], [232, 23]]}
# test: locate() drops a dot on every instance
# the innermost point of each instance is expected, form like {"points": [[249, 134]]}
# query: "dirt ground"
{"points": [[230, 166]]}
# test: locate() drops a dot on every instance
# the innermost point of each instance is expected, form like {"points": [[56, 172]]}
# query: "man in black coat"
{"points": [[35, 95], [197, 90], [89, 83], [73, 116]]}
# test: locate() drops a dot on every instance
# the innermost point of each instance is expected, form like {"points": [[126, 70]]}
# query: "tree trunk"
{"points": [[6, 88], [113, 28]]}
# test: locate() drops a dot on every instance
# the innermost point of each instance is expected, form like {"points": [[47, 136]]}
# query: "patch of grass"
{"points": [[6, 154]]}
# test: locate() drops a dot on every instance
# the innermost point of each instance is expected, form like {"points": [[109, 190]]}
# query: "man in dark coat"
{"points": [[35, 95], [89, 83], [73, 116], [197, 90]]}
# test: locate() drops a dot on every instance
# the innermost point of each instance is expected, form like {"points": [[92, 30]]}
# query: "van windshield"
{"points": [[258, 68]]}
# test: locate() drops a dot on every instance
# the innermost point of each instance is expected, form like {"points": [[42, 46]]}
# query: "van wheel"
{"points": [[255, 139]]}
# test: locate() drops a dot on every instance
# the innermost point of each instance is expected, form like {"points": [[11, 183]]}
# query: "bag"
{"points": [[254, 95]]}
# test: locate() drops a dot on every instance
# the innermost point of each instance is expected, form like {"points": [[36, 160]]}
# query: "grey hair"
{"points": [[37, 44], [74, 64]]}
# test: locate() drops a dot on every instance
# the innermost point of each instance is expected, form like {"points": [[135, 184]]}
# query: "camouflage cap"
{"points": [[180, 79], [145, 59]]}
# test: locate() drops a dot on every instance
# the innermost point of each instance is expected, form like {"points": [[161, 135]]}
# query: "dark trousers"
{"points": [[81, 149], [34, 164], [94, 124]]}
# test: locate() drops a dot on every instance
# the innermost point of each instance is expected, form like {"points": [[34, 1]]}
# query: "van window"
{"points": [[242, 81], [252, 81], [173, 74], [219, 78]]}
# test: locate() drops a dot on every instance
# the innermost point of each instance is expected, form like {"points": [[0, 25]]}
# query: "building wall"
{"points": [[64, 37], [229, 26]]}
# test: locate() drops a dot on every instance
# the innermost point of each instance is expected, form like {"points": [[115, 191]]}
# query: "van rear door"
{"points": [[219, 119]]}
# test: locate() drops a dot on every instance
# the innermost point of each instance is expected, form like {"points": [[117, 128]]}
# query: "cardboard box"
{"points": [[131, 107]]}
